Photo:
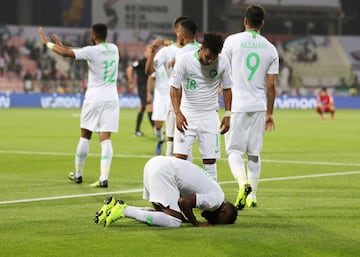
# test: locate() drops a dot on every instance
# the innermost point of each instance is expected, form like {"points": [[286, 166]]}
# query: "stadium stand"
{"points": [[318, 61]]}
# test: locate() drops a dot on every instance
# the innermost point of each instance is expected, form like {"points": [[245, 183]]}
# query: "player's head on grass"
{"points": [[98, 33], [210, 48], [226, 214], [254, 17]]}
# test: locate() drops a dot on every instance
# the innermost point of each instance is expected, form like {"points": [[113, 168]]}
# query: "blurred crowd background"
{"points": [[318, 40]]}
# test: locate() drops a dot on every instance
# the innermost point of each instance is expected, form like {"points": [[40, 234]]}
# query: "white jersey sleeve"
{"points": [[164, 57]]}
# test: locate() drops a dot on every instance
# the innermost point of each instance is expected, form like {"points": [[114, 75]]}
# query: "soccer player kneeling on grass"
{"points": [[175, 187]]}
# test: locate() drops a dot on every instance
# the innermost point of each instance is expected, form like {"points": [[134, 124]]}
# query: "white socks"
{"points": [[151, 217], [211, 169], [237, 168], [169, 148], [254, 168], [80, 156], [159, 134], [106, 158]]}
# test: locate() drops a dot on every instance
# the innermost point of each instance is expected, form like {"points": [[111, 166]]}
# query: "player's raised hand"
{"points": [[43, 37], [56, 39], [156, 44]]}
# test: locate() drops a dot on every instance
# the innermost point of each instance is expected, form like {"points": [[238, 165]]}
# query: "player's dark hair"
{"points": [[190, 27], [213, 41], [100, 30], [233, 213], [226, 214], [179, 20], [255, 15]]}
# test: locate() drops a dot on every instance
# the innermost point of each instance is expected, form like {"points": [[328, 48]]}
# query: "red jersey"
{"points": [[324, 99]]}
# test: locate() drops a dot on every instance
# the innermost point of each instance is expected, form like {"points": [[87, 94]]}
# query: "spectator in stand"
{"points": [[325, 103], [2, 65], [28, 82]]}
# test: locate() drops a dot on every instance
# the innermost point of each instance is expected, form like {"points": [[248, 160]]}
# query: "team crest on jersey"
{"points": [[213, 73]]}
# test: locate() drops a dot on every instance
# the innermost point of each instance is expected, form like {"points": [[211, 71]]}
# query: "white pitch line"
{"points": [[132, 156], [70, 196], [140, 190]]}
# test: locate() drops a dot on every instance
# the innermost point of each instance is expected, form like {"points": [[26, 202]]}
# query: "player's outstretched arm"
{"points": [[59, 49], [186, 204]]}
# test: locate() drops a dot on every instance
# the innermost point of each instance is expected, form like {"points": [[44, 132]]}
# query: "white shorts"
{"points": [[207, 132], [100, 117], [246, 133], [160, 108], [170, 122], [160, 184]]}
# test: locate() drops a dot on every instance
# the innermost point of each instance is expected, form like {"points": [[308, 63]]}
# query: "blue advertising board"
{"points": [[38, 100]]}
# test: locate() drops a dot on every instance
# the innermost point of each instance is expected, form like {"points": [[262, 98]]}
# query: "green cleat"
{"points": [[100, 215], [99, 184], [115, 213], [251, 203], [244, 191]]}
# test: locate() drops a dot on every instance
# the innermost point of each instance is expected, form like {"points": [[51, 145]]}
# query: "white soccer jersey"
{"points": [[162, 82], [251, 57], [200, 83], [167, 178], [164, 56], [189, 47], [103, 62]]}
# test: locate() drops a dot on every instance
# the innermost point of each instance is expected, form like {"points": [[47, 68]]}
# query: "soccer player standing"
{"points": [[160, 60], [254, 64], [100, 110], [195, 82]]}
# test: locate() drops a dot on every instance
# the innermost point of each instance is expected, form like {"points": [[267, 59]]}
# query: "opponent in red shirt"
{"points": [[325, 103]]}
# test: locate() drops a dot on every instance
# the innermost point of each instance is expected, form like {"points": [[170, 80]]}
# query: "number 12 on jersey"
{"points": [[109, 78]]}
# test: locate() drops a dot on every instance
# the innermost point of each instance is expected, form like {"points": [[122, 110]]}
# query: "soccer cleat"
{"points": [[244, 191], [115, 213], [158, 147], [77, 180], [138, 134], [251, 203], [99, 184], [100, 215]]}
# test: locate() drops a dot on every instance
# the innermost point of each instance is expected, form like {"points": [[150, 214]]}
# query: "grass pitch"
{"points": [[308, 196]]}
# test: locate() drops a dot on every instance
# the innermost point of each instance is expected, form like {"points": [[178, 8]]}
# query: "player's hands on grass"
{"points": [[225, 125], [203, 224], [181, 123], [269, 123]]}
